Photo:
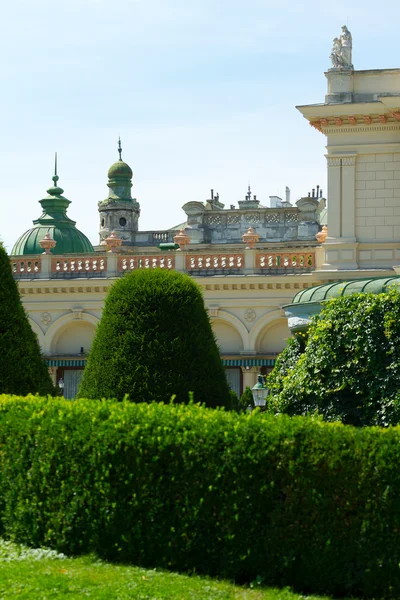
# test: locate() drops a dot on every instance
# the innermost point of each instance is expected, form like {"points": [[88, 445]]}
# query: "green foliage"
{"points": [[285, 362], [287, 501], [350, 367], [155, 341], [22, 370], [246, 399]]}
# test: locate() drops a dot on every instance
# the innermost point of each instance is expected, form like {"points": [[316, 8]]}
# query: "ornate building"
{"points": [[249, 260]]}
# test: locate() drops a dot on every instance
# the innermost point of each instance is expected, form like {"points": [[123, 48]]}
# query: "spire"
{"points": [[54, 190], [119, 148]]}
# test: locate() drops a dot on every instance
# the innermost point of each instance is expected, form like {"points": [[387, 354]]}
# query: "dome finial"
{"points": [[119, 148], [55, 177]]}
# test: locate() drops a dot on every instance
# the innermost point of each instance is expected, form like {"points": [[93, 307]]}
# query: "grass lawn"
{"points": [[44, 575]]}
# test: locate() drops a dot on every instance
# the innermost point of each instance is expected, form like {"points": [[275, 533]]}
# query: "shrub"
{"points": [[295, 501], [350, 367], [246, 399], [22, 369], [155, 341]]}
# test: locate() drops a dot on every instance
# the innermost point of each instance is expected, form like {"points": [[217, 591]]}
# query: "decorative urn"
{"points": [[47, 243], [182, 239], [113, 242], [250, 238], [322, 235]]}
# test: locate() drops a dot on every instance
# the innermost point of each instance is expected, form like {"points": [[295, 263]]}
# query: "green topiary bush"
{"points": [[293, 501], [246, 399], [155, 341], [350, 367], [22, 369]]}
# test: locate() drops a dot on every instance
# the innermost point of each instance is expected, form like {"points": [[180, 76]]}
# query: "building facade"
{"points": [[250, 260]]}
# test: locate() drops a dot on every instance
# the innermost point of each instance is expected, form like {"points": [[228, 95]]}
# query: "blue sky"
{"points": [[202, 93]]}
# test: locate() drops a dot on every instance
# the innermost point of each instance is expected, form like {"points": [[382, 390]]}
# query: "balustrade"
{"points": [[26, 266], [131, 263], [79, 265], [111, 265], [283, 260], [201, 262]]}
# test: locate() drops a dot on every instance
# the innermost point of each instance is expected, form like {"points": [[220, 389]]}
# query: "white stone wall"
{"points": [[378, 197]]}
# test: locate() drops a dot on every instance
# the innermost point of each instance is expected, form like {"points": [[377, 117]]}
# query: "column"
{"points": [[334, 197], [249, 376], [348, 220]]}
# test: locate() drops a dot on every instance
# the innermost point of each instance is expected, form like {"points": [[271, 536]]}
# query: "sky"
{"points": [[202, 93]]}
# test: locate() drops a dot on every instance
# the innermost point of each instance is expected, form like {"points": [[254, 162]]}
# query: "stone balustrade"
{"points": [[131, 263], [214, 262], [250, 261], [26, 266], [92, 264], [289, 260]]}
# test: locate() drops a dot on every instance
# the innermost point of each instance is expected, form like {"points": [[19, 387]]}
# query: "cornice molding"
{"points": [[360, 128]]}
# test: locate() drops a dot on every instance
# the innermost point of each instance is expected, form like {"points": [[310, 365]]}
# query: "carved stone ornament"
{"points": [[47, 243], [322, 235], [334, 162], [250, 315], [182, 239], [213, 311], [341, 50], [46, 318], [77, 313], [250, 238], [113, 242]]}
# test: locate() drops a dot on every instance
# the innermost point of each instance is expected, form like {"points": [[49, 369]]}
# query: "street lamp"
{"points": [[260, 393], [61, 383]]}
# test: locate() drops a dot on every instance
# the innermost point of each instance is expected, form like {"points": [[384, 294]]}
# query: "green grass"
{"points": [[44, 575]]}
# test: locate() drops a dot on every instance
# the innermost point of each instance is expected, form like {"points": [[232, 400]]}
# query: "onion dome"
{"points": [[54, 221], [119, 181]]}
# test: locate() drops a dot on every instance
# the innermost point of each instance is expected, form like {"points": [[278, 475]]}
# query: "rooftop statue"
{"points": [[341, 50]]}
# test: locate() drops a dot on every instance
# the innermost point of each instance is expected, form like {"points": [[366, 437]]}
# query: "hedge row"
{"points": [[294, 501]]}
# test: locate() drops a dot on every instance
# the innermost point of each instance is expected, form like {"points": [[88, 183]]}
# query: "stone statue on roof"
{"points": [[341, 50]]}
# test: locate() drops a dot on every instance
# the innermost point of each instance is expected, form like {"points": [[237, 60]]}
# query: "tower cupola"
{"points": [[119, 212]]}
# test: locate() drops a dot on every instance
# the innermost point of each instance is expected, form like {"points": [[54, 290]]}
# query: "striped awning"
{"points": [[248, 362], [227, 362], [66, 362]]}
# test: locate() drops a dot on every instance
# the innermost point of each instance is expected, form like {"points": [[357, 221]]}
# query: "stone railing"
{"points": [[250, 261], [130, 263], [214, 262], [283, 260], [26, 266], [79, 265], [153, 238]]}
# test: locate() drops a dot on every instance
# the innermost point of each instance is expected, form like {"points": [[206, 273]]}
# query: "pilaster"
{"points": [[334, 196], [348, 212]]}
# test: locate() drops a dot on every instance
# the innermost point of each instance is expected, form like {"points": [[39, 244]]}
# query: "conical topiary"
{"points": [[155, 341], [22, 369]]}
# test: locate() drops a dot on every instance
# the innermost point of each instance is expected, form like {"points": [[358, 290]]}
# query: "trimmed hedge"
{"points": [[155, 341], [22, 369], [295, 501]]}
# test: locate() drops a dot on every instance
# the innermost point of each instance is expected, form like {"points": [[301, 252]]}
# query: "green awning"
{"points": [[248, 362], [66, 362]]}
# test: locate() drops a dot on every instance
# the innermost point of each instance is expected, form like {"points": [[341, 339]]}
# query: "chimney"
{"points": [[287, 194]]}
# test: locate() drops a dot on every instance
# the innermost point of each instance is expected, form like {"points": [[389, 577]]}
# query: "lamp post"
{"points": [[260, 393]]}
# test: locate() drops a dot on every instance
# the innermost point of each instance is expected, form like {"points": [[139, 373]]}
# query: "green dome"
{"points": [[319, 293], [53, 220], [120, 170], [69, 240]]}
